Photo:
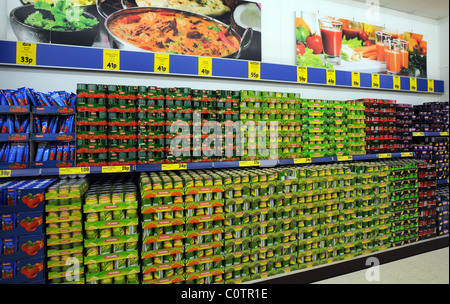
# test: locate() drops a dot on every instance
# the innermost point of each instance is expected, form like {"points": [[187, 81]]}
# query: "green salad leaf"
{"points": [[308, 59], [352, 43], [64, 17]]}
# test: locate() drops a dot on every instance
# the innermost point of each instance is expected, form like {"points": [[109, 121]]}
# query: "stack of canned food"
{"points": [[151, 126], [112, 234], [64, 230], [122, 124], [92, 125]]}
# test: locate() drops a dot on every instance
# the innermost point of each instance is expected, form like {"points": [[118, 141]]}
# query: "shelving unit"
{"points": [[91, 59]]}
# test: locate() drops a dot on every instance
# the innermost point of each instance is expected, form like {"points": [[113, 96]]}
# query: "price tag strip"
{"points": [[111, 60], [413, 84], [298, 161], [375, 81], [26, 53], [5, 173], [331, 77], [302, 74], [430, 85], [254, 70], [162, 63], [396, 82], [173, 167], [252, 163], [204, 66], [116, 169], [74, 171], [356, 79]]}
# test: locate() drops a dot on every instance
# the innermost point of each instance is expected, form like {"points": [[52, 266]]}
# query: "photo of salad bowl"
{"points": [[35, 23]]}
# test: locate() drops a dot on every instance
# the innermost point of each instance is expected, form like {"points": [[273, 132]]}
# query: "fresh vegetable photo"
{"points": [[341, 44], [64, 16]]}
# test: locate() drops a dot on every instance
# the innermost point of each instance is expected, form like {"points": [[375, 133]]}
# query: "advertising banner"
{"points": [[207, 28], [340, 44]]}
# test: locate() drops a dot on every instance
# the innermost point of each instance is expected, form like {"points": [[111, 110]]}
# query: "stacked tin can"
{"points": [[179, 122], [324, 132], [381, 126], [405, 201], [151, 126], [255, 224], [442, 211], [283, 132], [250, 113], [431, 117], [203, 204], [405, 114], [206, 140], [112, 231], [64, 230], [122, 125], [227, 105], [356, 124], [163, 227], [427, 200], [92, 125]]}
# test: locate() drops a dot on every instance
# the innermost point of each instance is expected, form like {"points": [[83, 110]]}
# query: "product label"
{"points": [[356, 79], [396, 82], [331, 77], [254, 70], [26, 53], [162, 63], [111, 60], [204, 66], [413, 84], [375, 81], [302, 74]]}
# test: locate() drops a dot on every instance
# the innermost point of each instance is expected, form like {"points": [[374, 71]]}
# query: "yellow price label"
{"points": [[356, 79], [254, 70], [74, 171], [444, 133], [407, 154], [252, 163], [111, 60], [331, 77], [298, 161], [204, 66], [418, 134], [173, 167], [162, 63], [413, 84], [396, 82], [116, 169], [302, 74], [375, 81], [26, 53], [345, 158], [431, 85], [386, 155], [5, 173]]}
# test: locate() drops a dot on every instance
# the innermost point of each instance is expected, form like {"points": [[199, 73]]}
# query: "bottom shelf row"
{"points": [[216, 226]]}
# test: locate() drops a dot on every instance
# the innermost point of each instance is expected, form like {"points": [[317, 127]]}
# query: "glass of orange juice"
{"points": [[404, 50], [393, 56], [381, 38]]}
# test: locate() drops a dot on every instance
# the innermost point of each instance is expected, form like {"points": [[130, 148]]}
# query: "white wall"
{"points": [[278, 43], [444, 56]]}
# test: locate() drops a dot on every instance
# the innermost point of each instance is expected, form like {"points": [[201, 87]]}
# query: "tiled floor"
{"points": [[428, 268]]}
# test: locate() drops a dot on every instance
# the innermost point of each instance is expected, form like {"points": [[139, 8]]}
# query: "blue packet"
{"points": [[2, 150], [6, 153], [3, 101], [72, 100], [31, 96], [26, 152], [57, 99], [43, 100], [20, 150], [12, 153], [16, 124], [53, 124], [46, 153], [40, 152]]}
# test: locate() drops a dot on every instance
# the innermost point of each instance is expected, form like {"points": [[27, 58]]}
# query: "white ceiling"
{"points": [[433, 9]]}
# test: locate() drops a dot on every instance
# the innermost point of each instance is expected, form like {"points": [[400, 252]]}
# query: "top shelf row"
{"points": [[62, 56]]}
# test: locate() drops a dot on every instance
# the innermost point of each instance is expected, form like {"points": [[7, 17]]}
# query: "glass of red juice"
{"points": [[331, 32]]}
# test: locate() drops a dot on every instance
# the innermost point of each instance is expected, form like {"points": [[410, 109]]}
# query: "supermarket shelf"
{"points": [[195, 166], [430, 134], [323, 272], [86, 58]]}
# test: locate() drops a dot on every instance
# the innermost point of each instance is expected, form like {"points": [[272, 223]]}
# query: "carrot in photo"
{"points": [[366, 49]]}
